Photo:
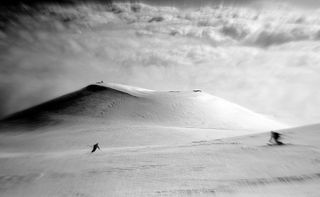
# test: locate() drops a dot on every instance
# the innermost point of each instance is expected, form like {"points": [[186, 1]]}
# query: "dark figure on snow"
{"points": [[95, 147], [275, 138]]}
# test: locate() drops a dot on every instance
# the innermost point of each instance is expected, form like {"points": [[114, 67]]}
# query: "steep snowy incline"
{"points": [[120, 104]]}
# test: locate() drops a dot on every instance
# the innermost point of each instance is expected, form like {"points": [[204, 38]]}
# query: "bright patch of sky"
{"points": [[266, 59]]}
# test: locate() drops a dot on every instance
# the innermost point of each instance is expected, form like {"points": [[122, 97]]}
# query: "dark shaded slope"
{"points": [[75, 103]]}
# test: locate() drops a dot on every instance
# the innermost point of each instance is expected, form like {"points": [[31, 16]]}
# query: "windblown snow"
{"points": [[120, 104]]}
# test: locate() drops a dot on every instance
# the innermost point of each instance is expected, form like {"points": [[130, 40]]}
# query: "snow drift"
{"points": [[120, 104]]}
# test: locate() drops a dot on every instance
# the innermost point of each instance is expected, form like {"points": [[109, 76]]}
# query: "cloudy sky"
{"points": [[264, 56], [192, 3]]}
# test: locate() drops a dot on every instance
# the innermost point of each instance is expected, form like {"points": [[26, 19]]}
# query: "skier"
{"points": [[275, 137], [95, 147]]}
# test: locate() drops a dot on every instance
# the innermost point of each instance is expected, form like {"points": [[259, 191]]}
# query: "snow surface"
{"points": [[57, 162], [127, 105], [151, 145]]}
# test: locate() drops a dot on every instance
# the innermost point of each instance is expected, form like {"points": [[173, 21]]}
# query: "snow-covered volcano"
{"points": [[120, 104]]}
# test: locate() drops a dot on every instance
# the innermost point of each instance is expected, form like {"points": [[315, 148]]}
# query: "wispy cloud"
{"points": [[266, 60]]}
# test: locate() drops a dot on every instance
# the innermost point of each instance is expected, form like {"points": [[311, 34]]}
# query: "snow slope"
{"points": [[119, 104], [241, 166]]}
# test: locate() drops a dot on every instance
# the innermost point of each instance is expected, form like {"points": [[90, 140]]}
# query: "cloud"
{"points": [[263, 60]]}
